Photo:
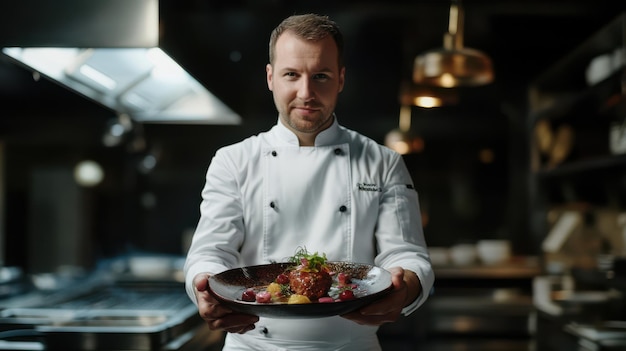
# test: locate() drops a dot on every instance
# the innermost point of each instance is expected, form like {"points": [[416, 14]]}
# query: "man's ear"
{"points": [[342, 78], [269, 74]]}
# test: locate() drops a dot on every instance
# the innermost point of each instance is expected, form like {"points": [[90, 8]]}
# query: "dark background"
{"points": [[45, 129]]}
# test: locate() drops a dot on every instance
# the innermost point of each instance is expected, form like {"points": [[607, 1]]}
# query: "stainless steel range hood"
{"points": [[144, 83], [107, 51]]}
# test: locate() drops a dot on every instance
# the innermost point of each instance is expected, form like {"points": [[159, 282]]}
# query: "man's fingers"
{"points": [[201, 282], [397, 277], [234, 323], [216, 315]]}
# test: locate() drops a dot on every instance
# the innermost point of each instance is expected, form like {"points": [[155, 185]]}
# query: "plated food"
{"points": [[304, 287], [309, 279]]}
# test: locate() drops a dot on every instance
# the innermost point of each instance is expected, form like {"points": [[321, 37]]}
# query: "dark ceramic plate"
{"points": [[372, 283]]}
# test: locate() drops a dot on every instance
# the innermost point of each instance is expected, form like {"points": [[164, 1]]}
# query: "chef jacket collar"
{"points": [[329, 136]]}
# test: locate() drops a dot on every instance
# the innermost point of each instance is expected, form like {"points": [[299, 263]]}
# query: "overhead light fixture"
{"points": [[427, 96], [453, 65], [402, 140], [144, 83], [88, 173]]}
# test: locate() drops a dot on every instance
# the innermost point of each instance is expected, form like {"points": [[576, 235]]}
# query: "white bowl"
{"points": [[493, 251], [439, 256], [463, 254]]}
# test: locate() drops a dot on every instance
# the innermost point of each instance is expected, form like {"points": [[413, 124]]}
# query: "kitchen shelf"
{"points": [[587, 165], [486, 272], [568, 73], [518, 268], [570, 117], [597, 98]]}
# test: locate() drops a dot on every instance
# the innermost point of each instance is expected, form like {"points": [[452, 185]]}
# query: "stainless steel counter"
{"points": [[109, 310]]}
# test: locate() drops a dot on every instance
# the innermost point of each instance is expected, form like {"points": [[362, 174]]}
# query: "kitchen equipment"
{"points": [[110, 309], [608, 335], [108, 53], [12, 282]]}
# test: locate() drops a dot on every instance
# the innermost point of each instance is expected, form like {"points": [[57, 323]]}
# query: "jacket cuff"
{"points": [[426, 281]]}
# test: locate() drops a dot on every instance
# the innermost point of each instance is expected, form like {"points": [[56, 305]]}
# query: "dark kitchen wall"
{"points": [[46, 128], [43, 141]]}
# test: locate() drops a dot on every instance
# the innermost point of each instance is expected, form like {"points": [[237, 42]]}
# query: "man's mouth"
{"points": [[308, 109]]}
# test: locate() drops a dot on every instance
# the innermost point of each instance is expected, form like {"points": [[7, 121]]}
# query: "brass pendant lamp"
{"points": [[427, 96], [453, 65], [402, 139]]}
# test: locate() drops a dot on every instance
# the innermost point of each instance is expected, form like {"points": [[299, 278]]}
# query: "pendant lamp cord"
{"points": [[454, 38]]}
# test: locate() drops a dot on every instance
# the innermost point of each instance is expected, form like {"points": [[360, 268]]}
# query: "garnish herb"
{"points": [[308, 262]]}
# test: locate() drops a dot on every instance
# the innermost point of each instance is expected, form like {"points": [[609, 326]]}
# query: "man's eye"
{"points": [[290, 74], [320, 76]]}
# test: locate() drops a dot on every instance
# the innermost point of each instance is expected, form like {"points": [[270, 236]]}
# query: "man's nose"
{"points": [[305, 89]]}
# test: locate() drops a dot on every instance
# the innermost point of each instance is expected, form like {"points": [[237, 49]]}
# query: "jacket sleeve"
{"points": [[399, 233], [219, 232]]}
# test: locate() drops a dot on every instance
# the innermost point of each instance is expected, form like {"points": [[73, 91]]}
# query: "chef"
{"points": [[308, 182]]}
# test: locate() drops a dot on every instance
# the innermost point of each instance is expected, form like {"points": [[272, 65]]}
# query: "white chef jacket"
{"points": [[347, 197]]}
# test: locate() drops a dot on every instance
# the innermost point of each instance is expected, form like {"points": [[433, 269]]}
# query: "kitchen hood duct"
{"points": [[108, 52], [453, 65]]}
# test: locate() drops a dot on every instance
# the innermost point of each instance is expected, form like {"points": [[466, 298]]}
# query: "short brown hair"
{"points": [[310, 27]]}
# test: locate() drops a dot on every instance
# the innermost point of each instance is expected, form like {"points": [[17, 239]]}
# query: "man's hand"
{"points": [[217, 316], [406, 288]]}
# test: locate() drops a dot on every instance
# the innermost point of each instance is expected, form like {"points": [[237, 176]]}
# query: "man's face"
{"points": [[305, 80]]}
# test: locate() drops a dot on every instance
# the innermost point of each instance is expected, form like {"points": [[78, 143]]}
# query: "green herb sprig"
{"points": [[307, 262]]}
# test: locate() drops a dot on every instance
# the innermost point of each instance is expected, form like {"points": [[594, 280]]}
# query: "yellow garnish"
{"points": [[298, 299], [274, 289]]}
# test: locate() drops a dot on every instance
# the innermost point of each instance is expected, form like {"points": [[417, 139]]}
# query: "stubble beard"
{"points": [[309, 126], [306, 125]]}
